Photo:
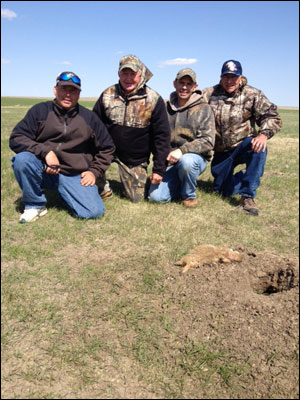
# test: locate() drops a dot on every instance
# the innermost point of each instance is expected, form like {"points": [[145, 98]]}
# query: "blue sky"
{"points": [[40, 39]]}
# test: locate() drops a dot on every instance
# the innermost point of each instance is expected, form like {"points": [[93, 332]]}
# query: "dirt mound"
{"points": [[251, 308]]}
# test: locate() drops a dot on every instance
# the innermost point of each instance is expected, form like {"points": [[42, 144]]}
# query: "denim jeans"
{"points": [[83, 201], [179, 180], [244, 183]]}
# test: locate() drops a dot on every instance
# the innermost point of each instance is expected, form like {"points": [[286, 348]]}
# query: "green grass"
{"points": [[22, 102], [85, 301]]}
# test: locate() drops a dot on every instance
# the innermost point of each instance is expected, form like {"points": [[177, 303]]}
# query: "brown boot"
{"points": [[190, 202], [249, 205]]}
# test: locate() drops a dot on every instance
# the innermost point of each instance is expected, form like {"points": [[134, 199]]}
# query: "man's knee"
{"points": [[22, 161], [186, 163], [157, 197], [134, 190], [135, 197], [93, 212], [192, 164], [97, 212]]}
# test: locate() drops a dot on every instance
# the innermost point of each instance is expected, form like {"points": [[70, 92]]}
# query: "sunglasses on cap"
{"points": [[66, 76]]}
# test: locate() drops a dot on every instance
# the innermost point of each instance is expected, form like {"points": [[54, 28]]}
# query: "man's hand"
{"points": [[87, 178], [52, 160], [174, 156], [259, 143], [155, 179]]}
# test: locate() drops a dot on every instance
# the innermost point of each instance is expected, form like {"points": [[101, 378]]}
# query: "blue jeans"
{"points": [[179, 180], [244, 183], [83, 201]]}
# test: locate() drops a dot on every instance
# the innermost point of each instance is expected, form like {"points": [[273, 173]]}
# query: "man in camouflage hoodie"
{"points": [[192, 140], [136, 119], [238, 108]]}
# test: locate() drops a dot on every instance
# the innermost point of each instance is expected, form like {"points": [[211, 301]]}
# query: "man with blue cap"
{"points": [[239, 110], [61, 145]]}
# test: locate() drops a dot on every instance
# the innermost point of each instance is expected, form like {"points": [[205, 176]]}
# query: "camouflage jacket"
{"points": [[192, 126], [138, 124], [237, 114]]}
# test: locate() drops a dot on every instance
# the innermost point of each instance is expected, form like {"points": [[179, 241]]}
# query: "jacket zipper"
{"points": [[126, 104], [65, 124], [64, 132], [124, 118]]}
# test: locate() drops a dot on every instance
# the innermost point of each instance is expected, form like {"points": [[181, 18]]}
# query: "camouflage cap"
{"points": [[186, 72], [131, 62]]}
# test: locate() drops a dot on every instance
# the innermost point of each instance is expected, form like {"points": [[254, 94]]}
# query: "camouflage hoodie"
{"points": [[192, 126], [137, 123], [237, 114]]}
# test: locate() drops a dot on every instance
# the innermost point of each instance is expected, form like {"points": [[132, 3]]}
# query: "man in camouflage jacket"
{"points": [[136, 119], [238, 108], [192, 140]]}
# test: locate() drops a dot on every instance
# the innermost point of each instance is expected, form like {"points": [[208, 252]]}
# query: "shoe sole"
{"points": [[106, 195], [251, 212], [41, 214], [190, 205]]}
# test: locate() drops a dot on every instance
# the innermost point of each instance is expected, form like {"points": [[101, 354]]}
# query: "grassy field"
{"points": [[66, 330]]}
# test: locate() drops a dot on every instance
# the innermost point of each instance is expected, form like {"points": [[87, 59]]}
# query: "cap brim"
{"points": [[130, 66], [230, 72], [68, 83], [181, 76]]}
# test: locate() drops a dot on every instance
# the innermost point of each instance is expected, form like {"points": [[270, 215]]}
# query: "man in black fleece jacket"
{"points": [[64, 146], [135, 116]]}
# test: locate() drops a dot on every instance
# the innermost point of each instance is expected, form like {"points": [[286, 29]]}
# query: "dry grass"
{"points": [[86, 305]]}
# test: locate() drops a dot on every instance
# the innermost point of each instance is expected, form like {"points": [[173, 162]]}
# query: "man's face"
{"points": [[66, 96], [129, 79], [184, 87], [230, 82]]}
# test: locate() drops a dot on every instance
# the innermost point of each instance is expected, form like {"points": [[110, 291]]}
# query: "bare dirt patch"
{"points": [[146, 329], [252, 309]]}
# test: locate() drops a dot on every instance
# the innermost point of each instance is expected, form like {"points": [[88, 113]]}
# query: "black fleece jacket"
{"points": [[138, 125], [77, 137]]}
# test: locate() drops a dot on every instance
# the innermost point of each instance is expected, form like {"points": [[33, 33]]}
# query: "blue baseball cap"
{"points": [[232, 67]]}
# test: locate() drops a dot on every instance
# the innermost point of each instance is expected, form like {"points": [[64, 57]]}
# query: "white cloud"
{"points": [[119, 52], [177, 61], [8, 14], [5, 61], [62, 63]]}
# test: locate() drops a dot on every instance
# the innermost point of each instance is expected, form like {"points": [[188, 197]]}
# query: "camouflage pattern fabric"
{"points": [[139, 126], [134, 63], [131, 62], [135, 111], [192, 126], [236, 115], [133, 180]]}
